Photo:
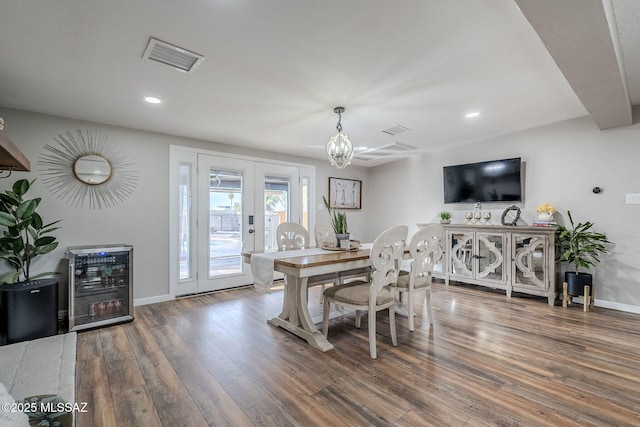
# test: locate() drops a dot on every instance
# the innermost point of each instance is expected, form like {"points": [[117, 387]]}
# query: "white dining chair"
{"points": [[425, 249], [376, 294], [292, 236]]}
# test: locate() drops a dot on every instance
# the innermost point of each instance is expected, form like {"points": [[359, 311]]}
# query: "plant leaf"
{"points": [[20, 187], [10, 277], [26, 209], [7, 219]]}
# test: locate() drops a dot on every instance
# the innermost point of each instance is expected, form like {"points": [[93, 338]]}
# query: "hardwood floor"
{"points": [[487, 360]]}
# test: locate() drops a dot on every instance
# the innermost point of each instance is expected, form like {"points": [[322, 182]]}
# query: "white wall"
{"points": [[143, 219], [563, 162]]}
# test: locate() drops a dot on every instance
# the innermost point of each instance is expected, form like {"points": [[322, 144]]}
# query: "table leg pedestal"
{"points": [[295, 316]]}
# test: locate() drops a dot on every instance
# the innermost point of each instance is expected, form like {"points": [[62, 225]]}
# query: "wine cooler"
{"points": [[100, 285]]}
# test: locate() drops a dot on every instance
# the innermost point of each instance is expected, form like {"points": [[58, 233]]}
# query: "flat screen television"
{"points": [[493, 181]]}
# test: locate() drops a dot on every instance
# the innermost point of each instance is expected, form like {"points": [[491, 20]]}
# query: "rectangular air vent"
{"points": [[171, 55], [395, 130], [394, 149]]}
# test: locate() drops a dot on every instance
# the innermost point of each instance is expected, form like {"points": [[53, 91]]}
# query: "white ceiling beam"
{"points": [[584, 45]]}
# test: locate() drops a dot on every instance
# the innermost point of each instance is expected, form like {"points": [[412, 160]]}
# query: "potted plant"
{"points": [[26, 236], [338, 222], [445, 217], [580, 247]]}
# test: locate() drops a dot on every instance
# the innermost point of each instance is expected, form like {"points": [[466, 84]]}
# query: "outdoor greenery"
{"points": [[579, 245], [338, 219], [25, 236]]}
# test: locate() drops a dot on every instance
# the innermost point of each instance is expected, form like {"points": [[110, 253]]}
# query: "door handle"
{"points": [[251, 231]]}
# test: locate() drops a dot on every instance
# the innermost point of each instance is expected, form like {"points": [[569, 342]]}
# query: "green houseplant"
{"points": [[25, 236], [579, 246], [445, 217], [338, 222]]}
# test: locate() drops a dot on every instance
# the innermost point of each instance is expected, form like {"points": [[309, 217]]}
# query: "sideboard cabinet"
{"points": [[515, 259]]}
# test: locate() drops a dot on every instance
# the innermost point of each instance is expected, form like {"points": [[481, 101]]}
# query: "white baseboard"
{"points": [[618, 306], [613, 305], [152, 300]]}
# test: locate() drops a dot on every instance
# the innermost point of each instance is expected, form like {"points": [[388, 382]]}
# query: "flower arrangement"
{"points": [[546, 207]]}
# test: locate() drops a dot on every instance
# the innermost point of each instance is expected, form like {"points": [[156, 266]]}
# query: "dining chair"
{"points": [[292, 236], [324, 234], [425, 249], [376, 294]]}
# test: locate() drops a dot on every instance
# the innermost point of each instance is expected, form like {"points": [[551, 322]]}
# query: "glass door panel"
{"points": [[461, 254], [529, 255], [225, 213], [185, 220], [490, 258], [225, 197], [278, 197], [276, 208]]}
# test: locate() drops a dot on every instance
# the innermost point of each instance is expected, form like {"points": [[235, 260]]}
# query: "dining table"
{"points": [[300, 267]]}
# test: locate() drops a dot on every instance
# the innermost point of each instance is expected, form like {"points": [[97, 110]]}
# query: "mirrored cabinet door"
{"points": [[529, 261]]}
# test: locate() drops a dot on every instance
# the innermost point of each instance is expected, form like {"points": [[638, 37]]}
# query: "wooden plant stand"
{"points": [[587, 297]]}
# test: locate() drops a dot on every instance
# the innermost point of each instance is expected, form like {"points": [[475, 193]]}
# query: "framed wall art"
{"points": [[345, 193]]}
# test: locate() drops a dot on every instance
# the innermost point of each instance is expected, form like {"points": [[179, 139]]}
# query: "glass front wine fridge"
{"points": [[100, 285]]}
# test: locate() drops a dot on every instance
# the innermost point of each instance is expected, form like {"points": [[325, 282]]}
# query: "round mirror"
{"points": [[92, 169]]}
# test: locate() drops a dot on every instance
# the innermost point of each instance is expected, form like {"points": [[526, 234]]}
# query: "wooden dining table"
{"points": [[298, 269]]}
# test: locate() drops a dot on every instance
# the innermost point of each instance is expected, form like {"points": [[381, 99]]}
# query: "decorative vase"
{"points": [[545, 216], [343, 240], [445, 221]]}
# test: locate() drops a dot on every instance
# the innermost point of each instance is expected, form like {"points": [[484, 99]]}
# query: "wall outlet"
{"points": [[633, 198]]}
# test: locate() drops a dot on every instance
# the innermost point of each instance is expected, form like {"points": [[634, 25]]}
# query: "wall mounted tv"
{"points": [[493, 181]]}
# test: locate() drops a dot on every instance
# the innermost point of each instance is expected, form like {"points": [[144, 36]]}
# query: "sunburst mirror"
{"points": [[88, 168]]}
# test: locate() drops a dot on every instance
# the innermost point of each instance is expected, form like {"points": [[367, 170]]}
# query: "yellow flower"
{"points": [[546, 207]]}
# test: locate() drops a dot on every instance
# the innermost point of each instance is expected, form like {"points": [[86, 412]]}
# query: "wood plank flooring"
{"points": [[487, 360]]}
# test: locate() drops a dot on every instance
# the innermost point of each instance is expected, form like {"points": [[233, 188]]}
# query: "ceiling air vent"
{"points": [[173, 56], [395, 149], [395, 130]]}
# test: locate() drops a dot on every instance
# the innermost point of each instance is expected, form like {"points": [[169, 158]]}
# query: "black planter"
{"points": [[577, 282]]}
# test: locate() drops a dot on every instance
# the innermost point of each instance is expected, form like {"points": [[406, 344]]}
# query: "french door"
{"points": [[224, 206]]}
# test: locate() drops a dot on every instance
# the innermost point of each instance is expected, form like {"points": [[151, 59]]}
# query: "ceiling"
{"points": [[275, 69]]}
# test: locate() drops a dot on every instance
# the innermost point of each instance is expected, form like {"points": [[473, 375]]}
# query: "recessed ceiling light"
{"points": [[471, 115], [152, 100]]}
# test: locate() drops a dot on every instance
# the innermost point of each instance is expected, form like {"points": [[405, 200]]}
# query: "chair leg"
{"points": [[428, 298], [392, 326], [321, 294], [358, 318], [410, 309], [325, 318], [372, 332]]}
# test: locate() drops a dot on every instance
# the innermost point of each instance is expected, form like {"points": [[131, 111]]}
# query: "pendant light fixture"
{"points": [[339, 149]]}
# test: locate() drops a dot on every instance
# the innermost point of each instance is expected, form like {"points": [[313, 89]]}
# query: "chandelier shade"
{"points": [[339, 148]]}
